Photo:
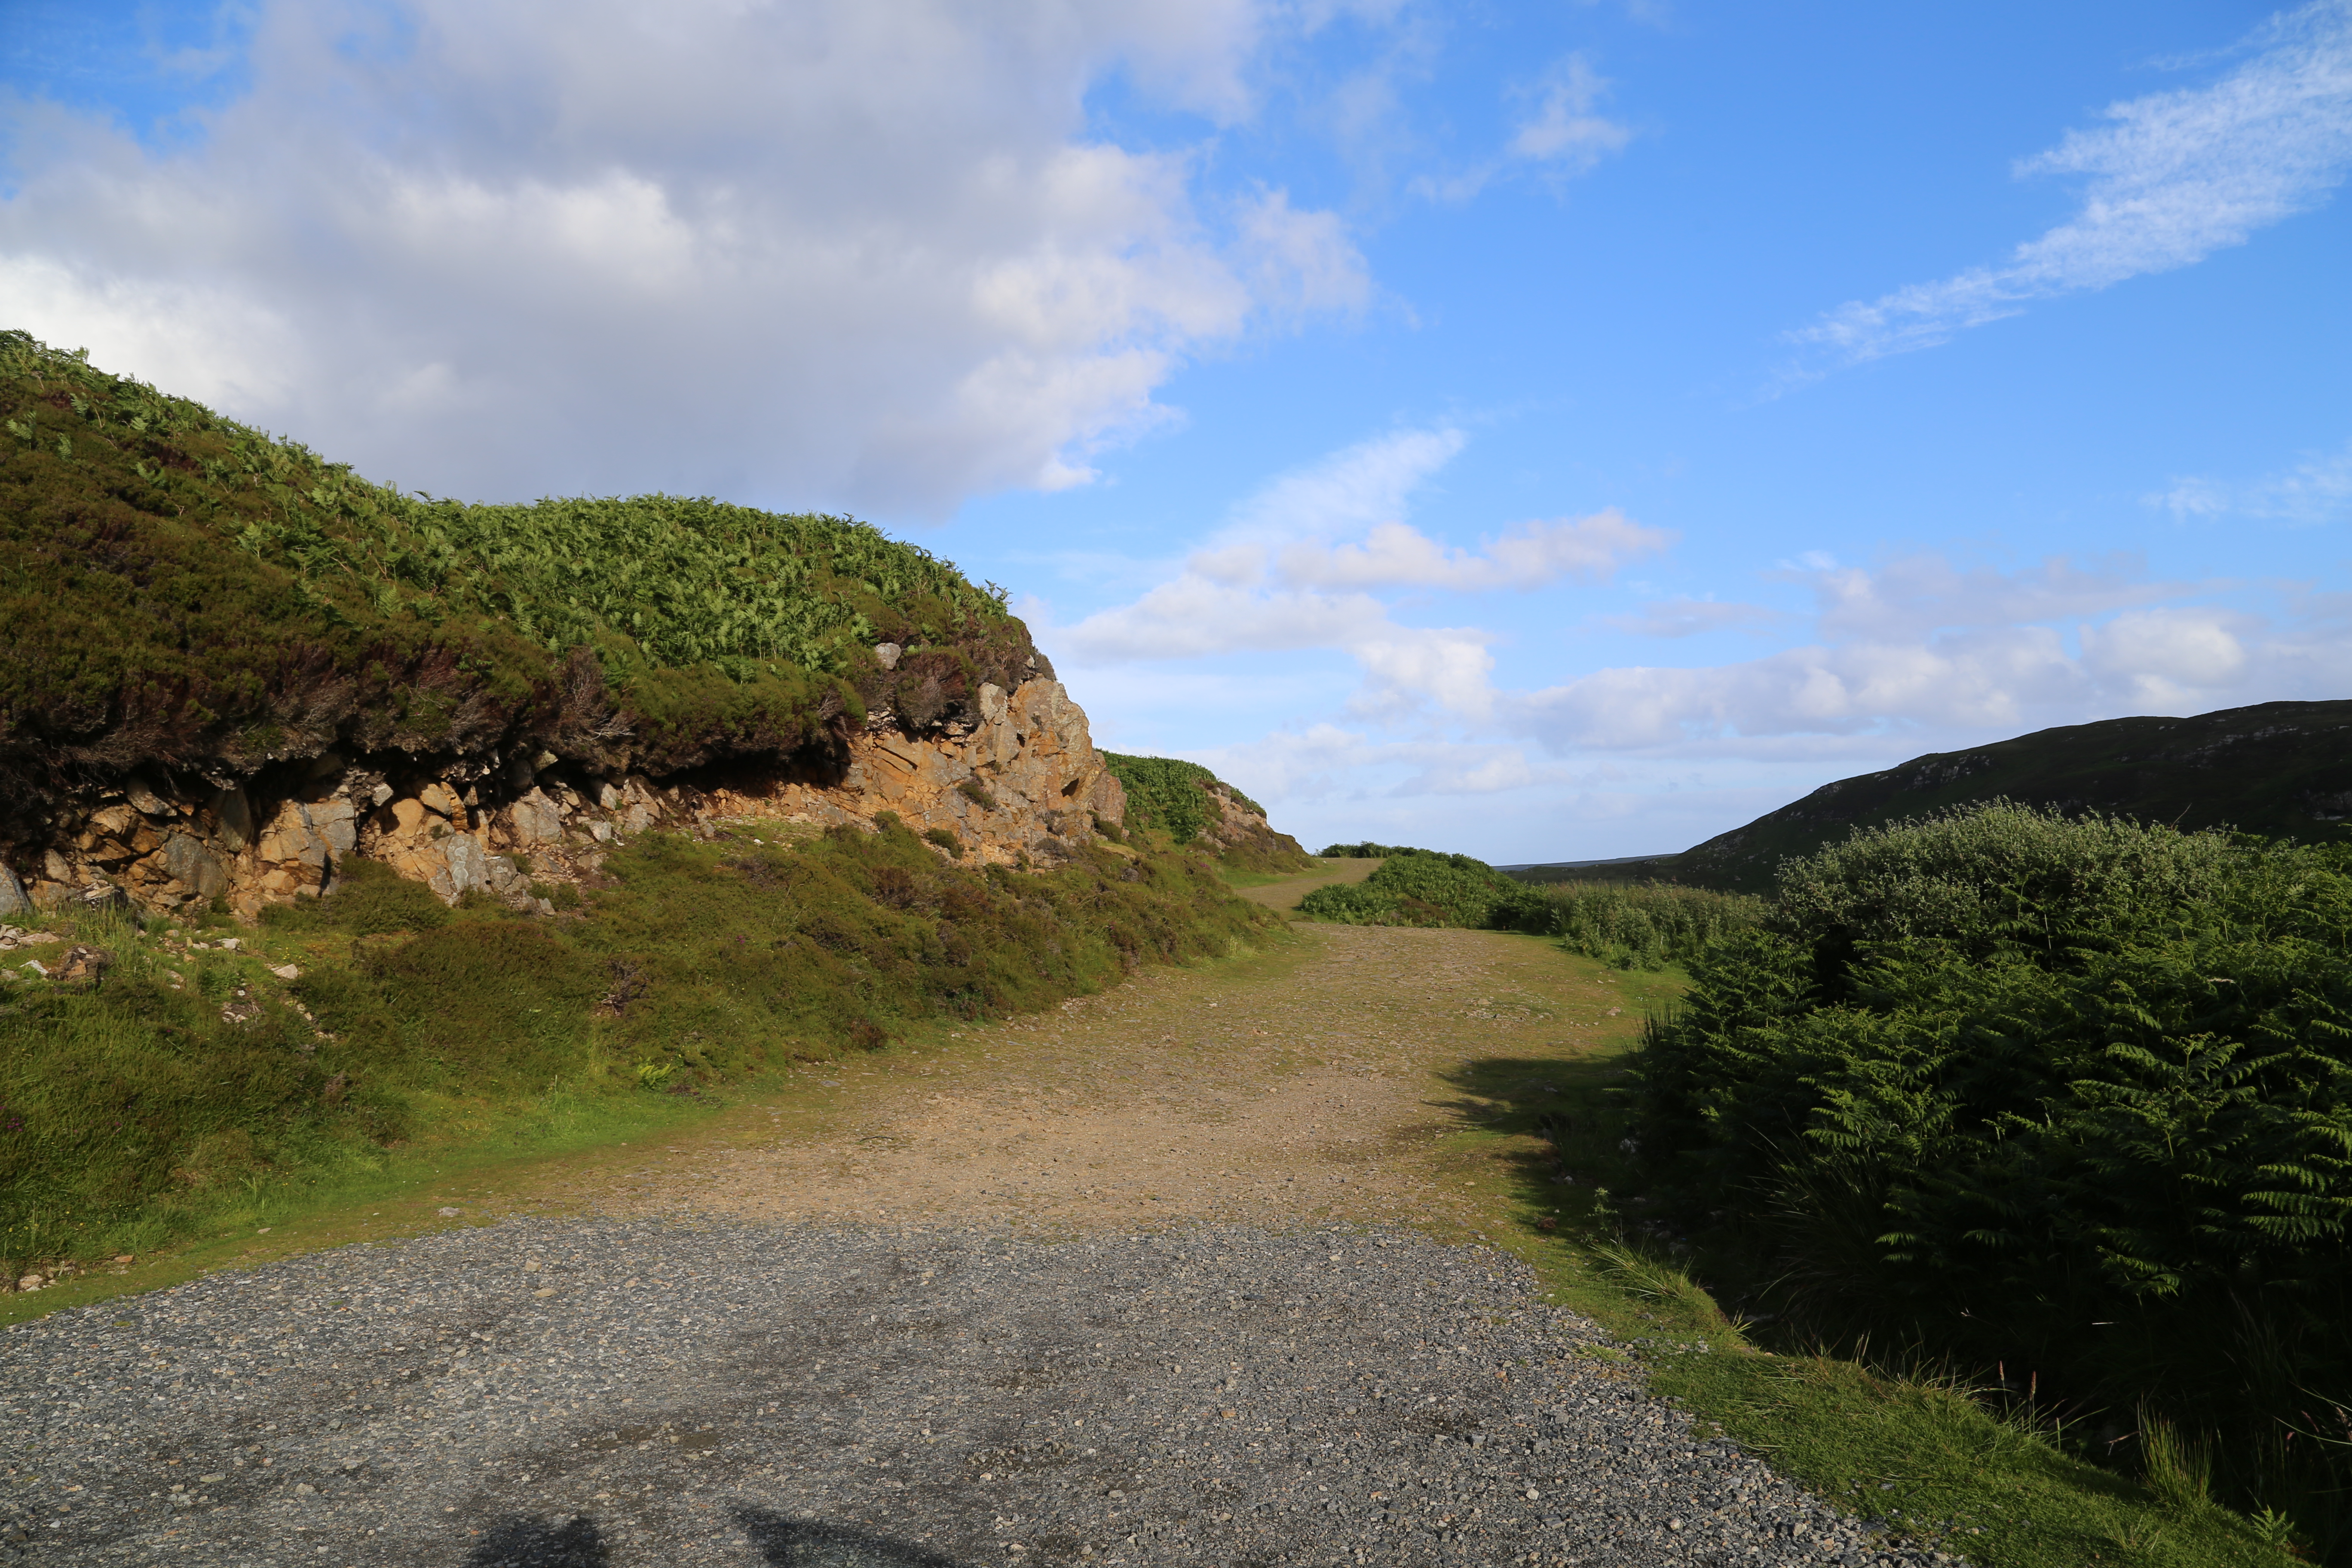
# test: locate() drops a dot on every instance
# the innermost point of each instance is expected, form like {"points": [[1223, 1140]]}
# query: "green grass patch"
{"points": [[141, 1109]]}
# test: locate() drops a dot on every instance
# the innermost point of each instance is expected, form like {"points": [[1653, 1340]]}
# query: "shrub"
{"points": [[1639, 925], [2061, 1099], [1164, 795], [1423, 888]]}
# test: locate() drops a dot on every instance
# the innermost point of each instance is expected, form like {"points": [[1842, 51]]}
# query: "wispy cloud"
{"points": [[2173, 177], [1298, 568], [1689, 617], [2317, 490], [1558, 133], [1532, 555], [1353, 488], [1563, 129]]}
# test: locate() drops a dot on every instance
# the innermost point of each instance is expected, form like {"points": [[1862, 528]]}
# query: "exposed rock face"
{"points": [[1022, 785], [1242, 836]]}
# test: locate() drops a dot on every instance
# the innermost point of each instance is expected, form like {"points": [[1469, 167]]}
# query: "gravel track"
{"points": [[625, 1393]]}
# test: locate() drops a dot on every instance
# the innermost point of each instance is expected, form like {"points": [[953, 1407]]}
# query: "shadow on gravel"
{"points": [[535, 1543], [806, 1543]]}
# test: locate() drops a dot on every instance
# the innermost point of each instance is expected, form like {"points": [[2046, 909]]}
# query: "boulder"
{"points": [[534, 819], [187, 862], [13, 899], [451, 866], [232, 814]]}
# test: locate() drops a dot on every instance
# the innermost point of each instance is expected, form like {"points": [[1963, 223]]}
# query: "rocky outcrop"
{"points": [[1241, 836], [1020, 784]]}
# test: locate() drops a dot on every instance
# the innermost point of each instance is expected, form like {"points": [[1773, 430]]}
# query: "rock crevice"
{"points": [[1017, 783]]}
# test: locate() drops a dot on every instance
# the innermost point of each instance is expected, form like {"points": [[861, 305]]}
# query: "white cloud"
{"points": [[1920, 647], [2317, 490], [2162, 659], [1559, 133], [1563, 133], [1917, 594], [1689, 617], [1528, 556], [1285, 573], [841, 253], [1367, 483], [2172, 178]]}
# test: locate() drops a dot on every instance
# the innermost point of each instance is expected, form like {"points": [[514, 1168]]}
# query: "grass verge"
{"points": [[1897, 1444], [201, 1073]]}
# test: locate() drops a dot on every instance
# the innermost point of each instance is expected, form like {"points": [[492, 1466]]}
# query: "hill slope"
{"points": [[2279, 769], [183, 594], [1188, 804]]}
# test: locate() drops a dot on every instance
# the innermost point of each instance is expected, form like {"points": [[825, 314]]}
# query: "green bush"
{"points": [[2068, 1103], [1638, 925], [1164, 795], [1423, 888]]}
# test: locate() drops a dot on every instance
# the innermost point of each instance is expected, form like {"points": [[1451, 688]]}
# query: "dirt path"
{"points": [[1317, 1082]]}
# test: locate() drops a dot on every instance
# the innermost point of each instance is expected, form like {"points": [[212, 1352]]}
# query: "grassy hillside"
{"points": [[2281, 770], [1181, 803], [182, 593], [191, 1075]]}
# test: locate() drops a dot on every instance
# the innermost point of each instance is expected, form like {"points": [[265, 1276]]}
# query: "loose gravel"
{"points": [[618, 1392]]}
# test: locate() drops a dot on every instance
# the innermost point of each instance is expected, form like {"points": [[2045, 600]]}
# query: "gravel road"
{"points": [[627, 1393]]}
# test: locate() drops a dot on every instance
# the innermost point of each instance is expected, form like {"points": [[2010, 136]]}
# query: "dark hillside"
{"points": [[184, 596], [2281, 769]]}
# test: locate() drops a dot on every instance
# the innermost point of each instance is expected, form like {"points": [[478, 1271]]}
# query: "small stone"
{"points": [[37, 966], [447, 1212], [286, 972], [885, 654], [229, 943], [304, 1489], [208, 1481], [549, 1290]]}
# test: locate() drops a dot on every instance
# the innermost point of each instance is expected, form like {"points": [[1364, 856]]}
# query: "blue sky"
{"points": [[1540, 431]]}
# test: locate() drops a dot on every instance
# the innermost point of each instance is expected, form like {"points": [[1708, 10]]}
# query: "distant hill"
{"points": [[2283, 770]]}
